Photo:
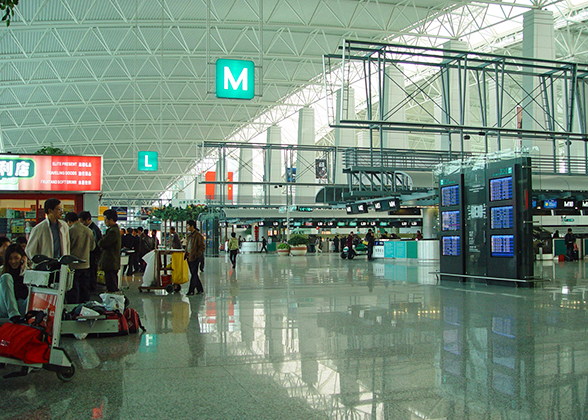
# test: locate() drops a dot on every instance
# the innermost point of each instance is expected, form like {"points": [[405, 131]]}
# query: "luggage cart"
{"points": [[43, 297]]}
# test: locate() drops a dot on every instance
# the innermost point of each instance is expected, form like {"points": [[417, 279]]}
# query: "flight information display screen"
{"points": [[502, 245], [450, 195], [451, 245], [502, 217], [501, 189], [450, 220], [550, 204]]}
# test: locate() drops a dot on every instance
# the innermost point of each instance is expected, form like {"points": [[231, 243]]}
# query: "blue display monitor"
{"points": [[450, 220], [502, 245], [501, 189], [550, 204], [450, 195], [451, 246], [502, 217]]}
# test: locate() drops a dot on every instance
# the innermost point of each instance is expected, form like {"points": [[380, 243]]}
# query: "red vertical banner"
{"points": [[210, 176], [230, 186]]}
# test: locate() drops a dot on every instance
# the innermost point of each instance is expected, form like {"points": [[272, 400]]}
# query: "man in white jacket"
{"points": [[51, 236]]}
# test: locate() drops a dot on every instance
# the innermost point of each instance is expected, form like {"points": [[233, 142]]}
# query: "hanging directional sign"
{"points": [[147, 161], [235, 79]]}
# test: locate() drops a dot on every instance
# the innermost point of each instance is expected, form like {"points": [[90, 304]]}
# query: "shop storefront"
{"points": [[26, 181]]}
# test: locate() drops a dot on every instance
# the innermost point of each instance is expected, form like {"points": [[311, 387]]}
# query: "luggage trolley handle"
{"points": [[63, 260], [61, 264]]}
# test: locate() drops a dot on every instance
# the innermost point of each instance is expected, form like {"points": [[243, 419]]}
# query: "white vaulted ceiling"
{"points": [[113, 77]]}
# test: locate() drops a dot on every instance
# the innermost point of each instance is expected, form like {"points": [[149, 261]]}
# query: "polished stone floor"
{"points": [[318, 337]]}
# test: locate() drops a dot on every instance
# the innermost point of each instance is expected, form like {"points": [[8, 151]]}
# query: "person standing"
{"points": [[349, 244], [154, 240], [369, 238], [136, 243], [336, 243], [194, 254], [81, 244], [4, 242], [263, 244], [86, 220], [110, 251], [233, 249], [570, 241], [142, 249], [174, 238], [51, 236]]}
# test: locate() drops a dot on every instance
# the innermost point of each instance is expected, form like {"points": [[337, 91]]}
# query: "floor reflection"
{"points": [[321, 337]]}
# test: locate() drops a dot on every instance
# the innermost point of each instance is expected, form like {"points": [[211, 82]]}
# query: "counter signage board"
{"points": [[50, 173]]}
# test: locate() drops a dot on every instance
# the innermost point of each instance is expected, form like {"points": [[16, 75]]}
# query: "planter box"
{"points": [[284, 252], [298, 250]]}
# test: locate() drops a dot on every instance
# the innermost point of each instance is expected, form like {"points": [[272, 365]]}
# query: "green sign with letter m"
{"points": [[235, 79]]}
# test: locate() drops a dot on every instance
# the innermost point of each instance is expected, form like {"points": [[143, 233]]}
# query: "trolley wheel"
{"points": [[140, 290], [169, 288], [351, 256], [67, 374], [344, 255], [177, 288]]}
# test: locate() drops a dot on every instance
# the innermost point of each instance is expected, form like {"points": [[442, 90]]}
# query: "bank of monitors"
{"points": [[450, 220], [451, 246], [502, 217], [501, 189], [450, 195], [502, 245]]}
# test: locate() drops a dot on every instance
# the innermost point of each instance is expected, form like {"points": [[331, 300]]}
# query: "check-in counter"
{"points": [[427, 249], [250, 246]]}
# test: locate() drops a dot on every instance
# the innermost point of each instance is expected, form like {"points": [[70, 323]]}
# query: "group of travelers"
{"points": [[55, 237], [140, 242]]}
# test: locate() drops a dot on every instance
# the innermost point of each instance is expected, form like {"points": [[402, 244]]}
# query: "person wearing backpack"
{"points": [[233, 249]]}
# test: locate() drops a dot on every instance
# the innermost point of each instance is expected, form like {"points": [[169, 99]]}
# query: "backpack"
{"points": [[133, 321]]}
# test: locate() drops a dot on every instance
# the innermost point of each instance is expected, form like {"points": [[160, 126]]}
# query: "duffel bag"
{"points": [[24, 342]]}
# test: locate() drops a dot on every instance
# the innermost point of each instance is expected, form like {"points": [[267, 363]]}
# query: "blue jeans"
{"points": [[9, 306]]}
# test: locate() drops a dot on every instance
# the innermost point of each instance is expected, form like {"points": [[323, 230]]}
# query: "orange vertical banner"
{"points": [[230, 186], [209, 176]]}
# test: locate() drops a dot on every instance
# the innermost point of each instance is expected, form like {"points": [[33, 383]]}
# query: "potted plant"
{"points": [[283, 249], [298, 244]]}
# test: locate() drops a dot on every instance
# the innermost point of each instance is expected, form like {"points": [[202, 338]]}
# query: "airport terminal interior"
{"points": [[456, 132]]}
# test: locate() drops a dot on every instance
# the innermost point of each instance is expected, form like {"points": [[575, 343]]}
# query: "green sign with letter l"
{"points": [[235, 79], [147, 161]]}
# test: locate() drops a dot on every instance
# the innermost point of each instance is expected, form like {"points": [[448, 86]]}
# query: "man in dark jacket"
{"points": [[86, 219], [570, 241], [194, 254], [110, 247], [175, 242], [371, 241]]}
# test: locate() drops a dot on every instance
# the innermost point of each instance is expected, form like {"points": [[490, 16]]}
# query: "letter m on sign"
{"points": [[235, 79]]}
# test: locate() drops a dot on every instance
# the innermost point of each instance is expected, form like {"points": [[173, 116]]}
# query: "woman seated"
{"points": [[13, 291]]}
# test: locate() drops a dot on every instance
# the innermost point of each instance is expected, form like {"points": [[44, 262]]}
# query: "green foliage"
{"points": [[247, 231], [49, 150], [283, 246], [179, 214], [8, 7], [298, 240]]}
